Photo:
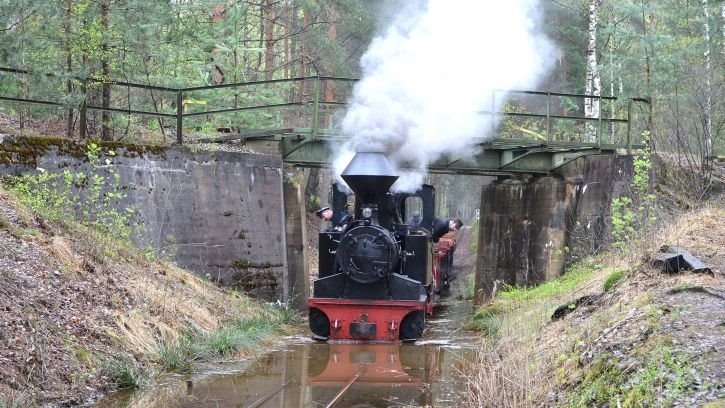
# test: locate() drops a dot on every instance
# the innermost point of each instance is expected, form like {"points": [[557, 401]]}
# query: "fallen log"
{"points": [[564, 310]]}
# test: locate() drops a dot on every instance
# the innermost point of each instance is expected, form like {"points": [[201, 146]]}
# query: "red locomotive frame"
{"points": [[386, 315]]}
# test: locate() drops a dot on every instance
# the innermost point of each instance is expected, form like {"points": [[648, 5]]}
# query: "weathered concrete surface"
{"points": [[297, 285], [529, 228], [219, 214]]}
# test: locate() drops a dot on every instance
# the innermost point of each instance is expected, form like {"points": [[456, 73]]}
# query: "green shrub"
{"points": [[613, 279], [88, 197]]}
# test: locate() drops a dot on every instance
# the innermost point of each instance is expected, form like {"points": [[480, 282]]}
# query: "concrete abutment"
{"points": [[233, 217], [530, 227]]}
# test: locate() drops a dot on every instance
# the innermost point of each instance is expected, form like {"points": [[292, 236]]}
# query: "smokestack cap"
{"points": [[369, 175]]}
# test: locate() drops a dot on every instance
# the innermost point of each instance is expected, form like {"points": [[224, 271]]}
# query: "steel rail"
{"points": [[545, 116], [241, 109], [258, 403], [345, 387], [263, 82], [129, 111], [91, 79], [39, 102], [318, 108]]}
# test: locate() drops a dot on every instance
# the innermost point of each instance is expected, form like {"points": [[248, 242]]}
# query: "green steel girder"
{"points": [[500, 156]]}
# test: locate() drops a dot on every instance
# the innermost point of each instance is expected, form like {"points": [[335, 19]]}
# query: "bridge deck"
{"points": [[302, 147]]}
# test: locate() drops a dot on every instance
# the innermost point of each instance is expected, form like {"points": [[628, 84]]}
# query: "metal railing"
{"points": [[313, 97]]}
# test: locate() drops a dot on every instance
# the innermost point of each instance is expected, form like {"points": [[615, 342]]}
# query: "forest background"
{"points": [[671, 52]]}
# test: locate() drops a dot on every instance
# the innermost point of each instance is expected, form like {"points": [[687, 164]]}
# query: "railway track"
{"points": [[331, 404]]}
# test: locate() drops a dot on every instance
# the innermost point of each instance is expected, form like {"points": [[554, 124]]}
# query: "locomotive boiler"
{"points": [[376, 273]]}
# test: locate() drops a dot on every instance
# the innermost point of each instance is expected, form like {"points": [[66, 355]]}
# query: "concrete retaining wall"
{"points": [[219, 214]]}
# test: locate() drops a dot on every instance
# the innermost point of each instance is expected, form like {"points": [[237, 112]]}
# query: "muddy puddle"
{"points": [[304, 373]]}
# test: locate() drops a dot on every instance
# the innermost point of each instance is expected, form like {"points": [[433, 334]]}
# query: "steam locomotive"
{"points": [[378, 276]]}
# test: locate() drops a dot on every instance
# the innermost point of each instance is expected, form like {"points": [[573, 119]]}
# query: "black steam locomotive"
{"points": [[377, 275]]}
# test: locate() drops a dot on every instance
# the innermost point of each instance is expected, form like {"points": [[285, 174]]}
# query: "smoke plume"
{"points": [[430, 73]]}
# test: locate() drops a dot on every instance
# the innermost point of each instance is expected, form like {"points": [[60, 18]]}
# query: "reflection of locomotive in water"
{"points": [[381, 373], [377, 275]]}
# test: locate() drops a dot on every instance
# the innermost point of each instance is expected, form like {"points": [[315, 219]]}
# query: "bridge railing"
{"points": [[555, 118], [311, 105], [189, 113]]}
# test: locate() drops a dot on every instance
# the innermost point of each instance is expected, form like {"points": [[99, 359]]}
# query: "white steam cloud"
{"points": [[428, 76]]}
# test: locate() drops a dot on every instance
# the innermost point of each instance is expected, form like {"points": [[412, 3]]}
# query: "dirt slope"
{"points": [[73, 307]]}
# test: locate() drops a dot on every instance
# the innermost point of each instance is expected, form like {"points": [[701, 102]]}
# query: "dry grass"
{"points": [[502, 376], [529, 360], [93, 300]]}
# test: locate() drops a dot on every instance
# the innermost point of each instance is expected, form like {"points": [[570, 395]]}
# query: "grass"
{"points": [[125, 373], [616, 353], [488, 319], [513, 320], [518, 311], [241, 336], [17, 399], [4, 222], [664, 376], [166, 320], [470, 288], [573, 278]]}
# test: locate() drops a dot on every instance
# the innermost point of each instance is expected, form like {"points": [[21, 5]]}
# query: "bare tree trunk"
{"points": [[593, 82], [613, 110], [613, 106], [708, 87], [302, 55], [106, 68], [83, 113], [268, 24], [285, 42], [563, 61], [260, 56], [69, 63], [332, 35], [648, 69], [235, 74], [23, 77]]}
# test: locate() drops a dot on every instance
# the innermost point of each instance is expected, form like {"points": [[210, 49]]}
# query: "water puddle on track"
{"points": [[303, 373]]}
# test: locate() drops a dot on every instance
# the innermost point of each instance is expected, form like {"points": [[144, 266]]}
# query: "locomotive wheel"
{"points": [[319, 356], [319, 323], [411, 328]]}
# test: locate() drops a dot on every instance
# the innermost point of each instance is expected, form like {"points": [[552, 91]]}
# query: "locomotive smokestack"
{"points": [[369, 175]]}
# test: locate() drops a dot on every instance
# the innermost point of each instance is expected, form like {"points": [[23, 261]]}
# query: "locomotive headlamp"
{"points": [[367, 212]]}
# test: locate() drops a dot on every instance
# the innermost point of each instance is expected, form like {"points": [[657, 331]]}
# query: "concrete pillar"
{"points": [[522, 233], [296, 278], [530, 228]]}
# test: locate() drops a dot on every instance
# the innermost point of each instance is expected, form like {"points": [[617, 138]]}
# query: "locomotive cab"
{"points": [[374, 275]]}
